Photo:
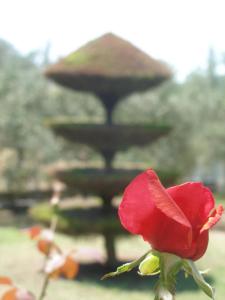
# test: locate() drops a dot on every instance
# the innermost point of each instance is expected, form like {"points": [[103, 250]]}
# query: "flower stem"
{"points": [[170, 265]]}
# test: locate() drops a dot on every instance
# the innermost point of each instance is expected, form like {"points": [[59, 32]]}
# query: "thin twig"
{"points": [[53, 226], [44, 287]]}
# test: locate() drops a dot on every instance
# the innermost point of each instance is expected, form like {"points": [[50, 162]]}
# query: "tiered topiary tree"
{"points": [[110, 68]]}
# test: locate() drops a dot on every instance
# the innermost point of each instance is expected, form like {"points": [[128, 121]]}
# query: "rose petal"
{"points": [[147, 209], [163, 201], [195, 200], [213, 219], [199, 245]]}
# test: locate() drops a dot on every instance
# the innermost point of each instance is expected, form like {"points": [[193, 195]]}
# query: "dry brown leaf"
{"points": [[5, 280], [34, 231], [10, 295], [70, 268]]}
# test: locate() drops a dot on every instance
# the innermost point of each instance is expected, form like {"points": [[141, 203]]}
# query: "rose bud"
{"points": [[174, 220]]}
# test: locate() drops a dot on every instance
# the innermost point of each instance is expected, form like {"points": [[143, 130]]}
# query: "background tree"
{"points": [[195, 109]]}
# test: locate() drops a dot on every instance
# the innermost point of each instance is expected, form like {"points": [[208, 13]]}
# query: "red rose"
{"points": [[174, 220]]}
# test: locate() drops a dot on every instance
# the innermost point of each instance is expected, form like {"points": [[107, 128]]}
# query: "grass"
{"points": [[20, 260]]}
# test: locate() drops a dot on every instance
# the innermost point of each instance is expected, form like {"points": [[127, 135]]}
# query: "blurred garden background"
{"points": [[94, 133]]}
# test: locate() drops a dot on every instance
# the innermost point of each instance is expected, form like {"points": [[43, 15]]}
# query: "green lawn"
{"points": [[21, 261]]}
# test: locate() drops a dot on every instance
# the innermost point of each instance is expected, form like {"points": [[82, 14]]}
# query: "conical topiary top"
{"points": [[109, 65]]}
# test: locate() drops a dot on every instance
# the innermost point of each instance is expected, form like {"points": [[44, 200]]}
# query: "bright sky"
{"points": [[179, 32]]}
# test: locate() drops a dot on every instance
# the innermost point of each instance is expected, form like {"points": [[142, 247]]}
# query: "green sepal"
{"points": [[150, 265], [190, 268], [150, 274], [126, 267]]}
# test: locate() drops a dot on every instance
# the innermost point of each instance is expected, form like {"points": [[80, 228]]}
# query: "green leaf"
{"points": [[126, 267], [191, 268]]}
